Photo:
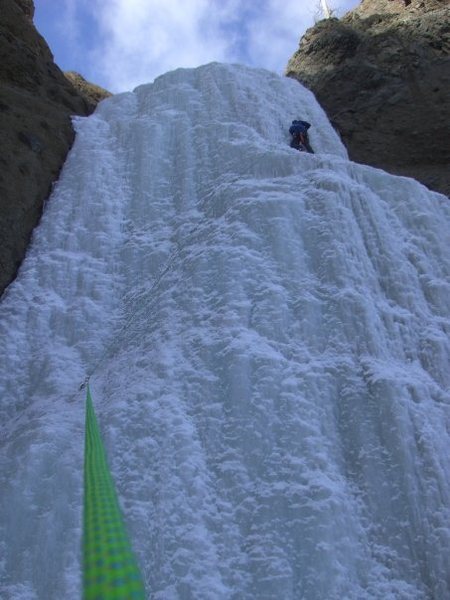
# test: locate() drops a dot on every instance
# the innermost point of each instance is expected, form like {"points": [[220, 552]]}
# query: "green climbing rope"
{"points": [[110, 570]]}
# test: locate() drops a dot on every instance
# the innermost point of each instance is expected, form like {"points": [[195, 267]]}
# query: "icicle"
{"points": [[326, 9]]}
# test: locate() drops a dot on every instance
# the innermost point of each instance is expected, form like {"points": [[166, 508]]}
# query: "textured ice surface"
{"points": [[268, 338]]}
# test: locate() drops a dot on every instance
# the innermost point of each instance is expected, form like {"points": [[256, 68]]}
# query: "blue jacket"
{"points": [[299, 127]]}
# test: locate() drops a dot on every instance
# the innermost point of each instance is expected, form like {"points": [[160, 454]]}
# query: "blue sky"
{"points": [[120, 44]]}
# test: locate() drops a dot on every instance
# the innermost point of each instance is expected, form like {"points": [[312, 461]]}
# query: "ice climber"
{"points": [[299, 132]]}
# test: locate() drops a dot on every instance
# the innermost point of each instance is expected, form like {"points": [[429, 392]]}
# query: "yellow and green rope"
{"points": [[110, 571]]}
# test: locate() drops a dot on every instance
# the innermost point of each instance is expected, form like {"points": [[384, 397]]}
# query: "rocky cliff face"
{"points": [[91, 93], [36, 104], [382, 74]]}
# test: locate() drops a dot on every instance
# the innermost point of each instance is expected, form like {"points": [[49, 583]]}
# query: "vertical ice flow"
{"points": [[268, 338]]}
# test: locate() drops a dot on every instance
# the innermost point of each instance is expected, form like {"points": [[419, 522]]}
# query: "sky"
{"points": [[120, 44]]}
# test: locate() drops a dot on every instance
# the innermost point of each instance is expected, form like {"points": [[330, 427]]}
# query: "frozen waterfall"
{"points": [[267, 335]]}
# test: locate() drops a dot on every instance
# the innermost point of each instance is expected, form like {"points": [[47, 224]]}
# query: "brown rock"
{"points": [[36, 104], [382, 74], [91, 93], [27, 7]]}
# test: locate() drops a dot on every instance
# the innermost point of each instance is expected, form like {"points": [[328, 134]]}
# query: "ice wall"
{"points": [[267, 337]]}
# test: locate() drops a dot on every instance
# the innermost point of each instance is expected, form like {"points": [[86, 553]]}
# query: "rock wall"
{"points": [[382, 74], [36, 104]]}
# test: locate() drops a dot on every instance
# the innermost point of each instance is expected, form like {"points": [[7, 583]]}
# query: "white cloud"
{"points": [[275, 32], [141, 39]]}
